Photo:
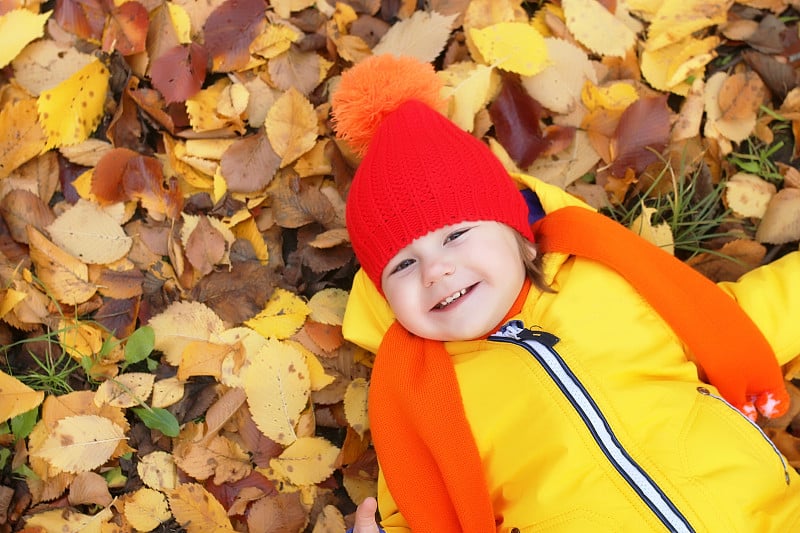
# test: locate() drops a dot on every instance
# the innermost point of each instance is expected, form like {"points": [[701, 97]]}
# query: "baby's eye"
{"points": [[402, 265], [456, 234]]}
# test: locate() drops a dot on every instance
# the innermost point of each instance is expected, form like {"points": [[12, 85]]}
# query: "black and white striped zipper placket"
{"points": [[540, 345]]}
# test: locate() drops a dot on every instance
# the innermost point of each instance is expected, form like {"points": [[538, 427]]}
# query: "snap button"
{"points": [[703, 390], [514, 530]]}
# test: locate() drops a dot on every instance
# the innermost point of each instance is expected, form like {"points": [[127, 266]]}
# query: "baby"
{"points": [[556, 377]]}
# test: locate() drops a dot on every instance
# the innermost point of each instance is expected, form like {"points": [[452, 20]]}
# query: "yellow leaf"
{"points": [[167, 392], [18, 28], [203, 358], [146, 509], [327, 306], [616, 97], [660, 235], [597, 28], [65, 277], [291, 126], [669, 67], [197, 510], [181, 22], [307, 461], [678, 19], [285, 8], [355, 405], [319, 378], [9, 298], [202, 110], [274, 40], [180, 324], [16, 397], [80, 443], [157, 470], [468, 87], [69, 521], [126, 390], [79, 339], [72, 110], [23, 136], [512, 46], [283, 315], [277, 384], [248, 230]]}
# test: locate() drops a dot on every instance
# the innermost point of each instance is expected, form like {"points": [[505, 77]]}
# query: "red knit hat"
{"points": [[420, 171]]}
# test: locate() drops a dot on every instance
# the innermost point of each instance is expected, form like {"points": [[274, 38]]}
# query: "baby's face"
{"points": [[457, 282]]}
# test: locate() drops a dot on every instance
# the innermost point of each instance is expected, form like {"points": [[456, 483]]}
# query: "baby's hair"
{"points": [[533, 262]]}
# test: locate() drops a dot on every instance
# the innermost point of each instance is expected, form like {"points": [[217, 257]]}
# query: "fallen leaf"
{"points": [[197, 510], [72, 110], [81, 443], [18, 28], [89, 233], [597, 28], [355, 405], [748, 195], [307, 461], [17, 398], [276, 407], [146, 509], [512, 46], [423, 35], [291, 126]]}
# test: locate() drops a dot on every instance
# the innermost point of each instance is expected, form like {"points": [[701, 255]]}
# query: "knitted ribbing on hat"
{"points": [[420, 172]]}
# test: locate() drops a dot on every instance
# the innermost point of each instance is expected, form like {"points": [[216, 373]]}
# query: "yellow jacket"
{"points": [[609, 428]]}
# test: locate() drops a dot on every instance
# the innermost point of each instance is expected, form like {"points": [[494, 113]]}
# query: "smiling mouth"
{"points": [[452, 298]]}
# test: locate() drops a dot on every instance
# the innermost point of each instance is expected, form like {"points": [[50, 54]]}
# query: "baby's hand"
{"points": [[365, 517]]}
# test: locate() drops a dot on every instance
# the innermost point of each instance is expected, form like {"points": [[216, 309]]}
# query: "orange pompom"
{"points": [[374, 88]]}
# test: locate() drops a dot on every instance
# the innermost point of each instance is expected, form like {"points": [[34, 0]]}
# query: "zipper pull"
{"points": [[548, 339]]}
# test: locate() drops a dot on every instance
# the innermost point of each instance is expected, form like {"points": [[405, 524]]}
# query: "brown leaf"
{"points": [[741, 95], [279, 513], [641, 135], [178, 73], [20, 209], [230, 29], [126, 28], [205, 246], [84, 18], [730, 262], [237, 295], [249, 164]]}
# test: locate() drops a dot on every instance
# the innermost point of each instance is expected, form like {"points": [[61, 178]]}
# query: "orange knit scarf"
{"points": [[424, 443]]}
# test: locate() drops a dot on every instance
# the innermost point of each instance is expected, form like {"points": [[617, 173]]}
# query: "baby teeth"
{"points": [[453, 297]]}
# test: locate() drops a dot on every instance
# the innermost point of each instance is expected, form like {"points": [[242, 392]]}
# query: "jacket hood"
{"points": [[368, 315]]}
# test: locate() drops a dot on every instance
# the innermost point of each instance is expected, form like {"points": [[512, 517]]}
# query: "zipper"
{"points": [[705, 392], [540, 345]]}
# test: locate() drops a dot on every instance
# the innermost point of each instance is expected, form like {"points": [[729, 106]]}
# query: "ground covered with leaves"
{"points": [[173, 255]]}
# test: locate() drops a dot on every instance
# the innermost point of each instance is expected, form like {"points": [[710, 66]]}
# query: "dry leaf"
{"points": [[19, 27], [23, 136], [597, 28], [66, 277], [355, 405], [158, 471], [146, 509], [81, 443], [513, 46], [423, 36], [660, 235], [307, 461], [127, 390], [16, 397], [284, 314], [180, 324], [781, 220], [89, 488], [748, 195], [197, 510], [277, 384], [89, 233], [291, 126]]}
